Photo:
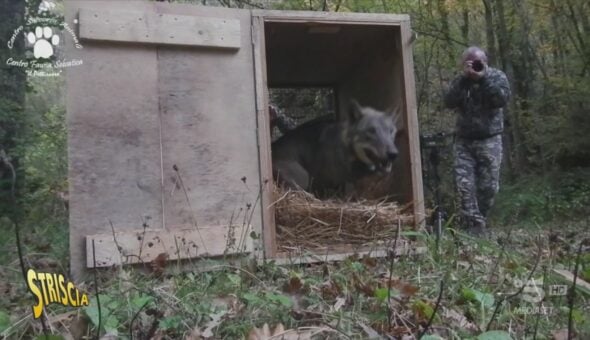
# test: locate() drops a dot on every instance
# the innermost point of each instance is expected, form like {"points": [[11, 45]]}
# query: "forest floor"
{"points": [[503, 287]]}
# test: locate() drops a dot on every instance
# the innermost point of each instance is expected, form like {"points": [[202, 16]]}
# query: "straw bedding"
{"points": [[304, 221]]}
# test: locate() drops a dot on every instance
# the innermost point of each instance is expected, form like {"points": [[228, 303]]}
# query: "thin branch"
{"points": [[572, 294], [391, 261], [135, 317], [15, 220], [518, 292], [439, 299], [96, 291]]}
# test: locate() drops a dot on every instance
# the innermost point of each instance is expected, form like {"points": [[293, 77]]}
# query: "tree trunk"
{"points": [[490, 36], [12, 98]]}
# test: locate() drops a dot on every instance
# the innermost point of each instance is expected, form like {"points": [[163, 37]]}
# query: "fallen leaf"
{"points": [[370, 262], [371, 333], [458, 320], [214, 322], [560, 334], [259, 333], [159, 264], [405, 288], [294, 285], [340, 301], [195, 334]]}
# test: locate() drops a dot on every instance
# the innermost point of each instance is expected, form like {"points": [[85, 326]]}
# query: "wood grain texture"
{"points": [[159, 28], [143, 246], [413, 131], [403, 248], [209, 145], [113, 139], [264, 138], [331, 17]]}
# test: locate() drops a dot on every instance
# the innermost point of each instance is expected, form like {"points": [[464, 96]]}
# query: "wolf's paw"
{"points": [[42, 48]]}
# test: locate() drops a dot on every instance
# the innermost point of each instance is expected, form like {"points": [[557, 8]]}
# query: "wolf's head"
{"points": [[371, 134]]}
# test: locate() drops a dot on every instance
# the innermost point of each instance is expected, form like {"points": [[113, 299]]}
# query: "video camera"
{"points": [[434, 140]]}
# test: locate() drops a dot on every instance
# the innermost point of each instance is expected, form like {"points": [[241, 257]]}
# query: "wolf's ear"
{"points": [[355, 111], [396, 115]]}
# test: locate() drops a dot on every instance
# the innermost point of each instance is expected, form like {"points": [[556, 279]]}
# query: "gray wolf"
{"points": [[322, 156]]}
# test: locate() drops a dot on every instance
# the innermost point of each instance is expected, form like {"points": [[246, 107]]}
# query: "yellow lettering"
{"points": [[41, 278], [50, 289], [38, 308], [84, 301], [71, 298], [62, 288]]}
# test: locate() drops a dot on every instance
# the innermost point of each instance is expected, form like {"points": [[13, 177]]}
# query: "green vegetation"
{"points": [[540, 216]]}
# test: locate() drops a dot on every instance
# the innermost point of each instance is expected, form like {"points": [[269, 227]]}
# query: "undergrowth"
{"points": [[544, 198], [357, 298]]}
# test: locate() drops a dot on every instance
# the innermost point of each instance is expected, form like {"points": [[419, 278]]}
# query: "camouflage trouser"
{"points": [[477, 176]]}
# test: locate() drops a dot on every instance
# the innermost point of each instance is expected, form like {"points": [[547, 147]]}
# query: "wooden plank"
{"points": [[159, 28], [413, 133], [208, 120], [264, 138], [568, 276], [404, 248], [143, 246], [113, 139], [331, 17]]}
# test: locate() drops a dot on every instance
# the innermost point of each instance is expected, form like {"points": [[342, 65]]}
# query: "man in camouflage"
{"points": [[478, 94]]}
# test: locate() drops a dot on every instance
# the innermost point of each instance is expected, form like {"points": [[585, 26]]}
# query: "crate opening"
{"points": [[315, 70]]}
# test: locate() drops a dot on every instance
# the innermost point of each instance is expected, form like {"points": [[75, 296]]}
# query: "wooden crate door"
{"points": [[162, 133]]}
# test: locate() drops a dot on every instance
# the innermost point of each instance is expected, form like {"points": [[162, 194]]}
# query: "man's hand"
{"points": [[469, 72]]}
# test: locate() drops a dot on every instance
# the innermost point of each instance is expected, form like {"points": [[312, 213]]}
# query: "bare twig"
{"points": [[438, 300], [391, 262], [96, 291], [15, 220], [188, 201], [135, 317], [572, 294], [518, 292]]}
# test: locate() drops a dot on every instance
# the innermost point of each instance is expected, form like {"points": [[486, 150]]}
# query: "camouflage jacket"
{"points": [[479, 103]]}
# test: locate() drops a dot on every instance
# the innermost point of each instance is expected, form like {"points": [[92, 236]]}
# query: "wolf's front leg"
{"points": [[291, 175]]}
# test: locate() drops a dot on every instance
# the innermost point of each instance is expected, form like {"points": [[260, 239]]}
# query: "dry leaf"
{"points": [[259, 333], [340, 301], [459, 320], [405, 288], [159, 264], [371, 333], [293, 286], [560, 334], [195, 334], [214, 322], [370, 262]]}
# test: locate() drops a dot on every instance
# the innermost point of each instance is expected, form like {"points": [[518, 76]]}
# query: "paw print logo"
{"points": [[43, 41]]}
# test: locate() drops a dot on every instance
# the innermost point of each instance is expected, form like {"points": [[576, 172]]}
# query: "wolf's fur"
{"points": [[323, 155]]}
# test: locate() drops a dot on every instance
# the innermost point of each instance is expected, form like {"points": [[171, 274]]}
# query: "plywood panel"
{"points": [[209, 144], [159, 28], [113, 139], [143, 246]]}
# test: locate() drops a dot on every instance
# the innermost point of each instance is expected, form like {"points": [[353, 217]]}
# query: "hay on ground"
{"points": [[304, 221]]}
